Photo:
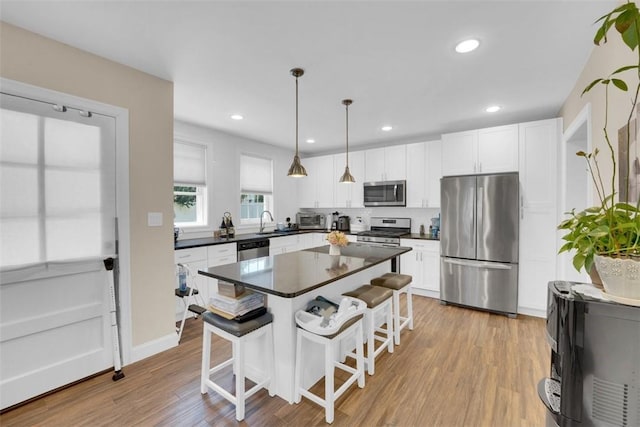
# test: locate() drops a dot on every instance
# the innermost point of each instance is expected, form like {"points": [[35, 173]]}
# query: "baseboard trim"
{"points": [[425, 293], [535, 312], [156, 346]]}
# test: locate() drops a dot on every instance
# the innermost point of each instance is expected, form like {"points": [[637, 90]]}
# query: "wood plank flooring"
{"points": [[458, 367]]}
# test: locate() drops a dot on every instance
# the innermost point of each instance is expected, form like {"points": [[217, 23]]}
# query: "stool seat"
{"points": [[379, 301], [351, 325], [237, 333], [234, 327], [399, 284], [373, 296], [395, 281]]}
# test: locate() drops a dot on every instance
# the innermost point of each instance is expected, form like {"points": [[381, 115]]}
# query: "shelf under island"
{"points": [[290, 281]]}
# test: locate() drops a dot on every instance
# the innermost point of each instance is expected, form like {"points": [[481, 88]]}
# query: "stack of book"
{"points": [[236, 307]]}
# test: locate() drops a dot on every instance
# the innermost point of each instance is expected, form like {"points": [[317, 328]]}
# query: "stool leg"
{"points": [[360, 355], [390, 329], [328, 380], [371, 344], [270, 360], [396, 316], [410, 306], [297, 383], [238, 358], [206, 358]]}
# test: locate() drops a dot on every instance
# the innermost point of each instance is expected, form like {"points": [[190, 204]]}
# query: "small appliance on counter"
{"points": [[334, 220], [310, 221], [344, 223]]}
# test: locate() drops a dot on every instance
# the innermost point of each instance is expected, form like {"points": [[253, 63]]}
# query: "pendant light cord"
{"points": [[347, 138], [296, 115]]}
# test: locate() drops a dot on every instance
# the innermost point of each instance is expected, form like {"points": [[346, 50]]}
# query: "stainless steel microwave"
{"points": [[385, 193], [311, 221]]}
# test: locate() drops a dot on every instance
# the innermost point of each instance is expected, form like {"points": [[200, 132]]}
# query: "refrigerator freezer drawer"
{"points": [[487, 285]]}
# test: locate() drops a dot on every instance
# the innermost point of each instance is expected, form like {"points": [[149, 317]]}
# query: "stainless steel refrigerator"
{"points": [[479, 241]]}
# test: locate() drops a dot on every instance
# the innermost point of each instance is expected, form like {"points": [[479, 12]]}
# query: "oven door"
{"points": [[386, 193]]}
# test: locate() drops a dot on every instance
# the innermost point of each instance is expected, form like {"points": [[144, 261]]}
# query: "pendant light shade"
{"points": [[346, 176], [297, 170]]}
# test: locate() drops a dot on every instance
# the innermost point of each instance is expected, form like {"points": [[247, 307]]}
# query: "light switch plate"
{"points": [[154, 219]]}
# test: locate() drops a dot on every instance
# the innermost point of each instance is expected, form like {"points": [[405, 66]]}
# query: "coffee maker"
{"points": [[344, 223], [594, 377]]}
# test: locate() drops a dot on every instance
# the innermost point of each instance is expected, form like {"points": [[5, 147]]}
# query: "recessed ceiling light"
{"points": [[386, 128], [311, 141], [236, 117], [493, 108], [466, 46]]}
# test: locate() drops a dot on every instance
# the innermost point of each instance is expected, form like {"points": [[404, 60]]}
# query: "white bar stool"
{"points": [[238, 334], [399, 284], [378, 300], [330, 338]]}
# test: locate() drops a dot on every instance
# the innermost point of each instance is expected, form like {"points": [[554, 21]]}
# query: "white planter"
{"points": [[334, 250], [620, 276]]}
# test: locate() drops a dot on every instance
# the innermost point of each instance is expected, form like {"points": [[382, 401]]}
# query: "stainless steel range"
{"points": [[386, 231]]}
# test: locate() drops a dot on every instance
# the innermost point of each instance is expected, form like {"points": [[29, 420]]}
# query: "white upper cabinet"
{"points": [[487, 150], [386, 164], [316, 189], [349, 195], [459, 153], [416, 175], [498, 149], [424, 170]]}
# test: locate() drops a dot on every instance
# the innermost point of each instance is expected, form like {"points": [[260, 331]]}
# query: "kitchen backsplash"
{"points": [[419, 216]]}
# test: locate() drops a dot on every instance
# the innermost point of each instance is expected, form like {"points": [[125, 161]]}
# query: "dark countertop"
{"points": [[292, 274], [418, 236], [210, 241]]}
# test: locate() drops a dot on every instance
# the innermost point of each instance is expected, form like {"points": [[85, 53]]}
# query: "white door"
{"points": [[57, 220], [498, 149], [416, 192], [459, 153]]}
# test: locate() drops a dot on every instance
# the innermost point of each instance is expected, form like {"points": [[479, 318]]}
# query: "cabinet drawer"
{"points": [[191, 255], [225, 250], [229, 259]]}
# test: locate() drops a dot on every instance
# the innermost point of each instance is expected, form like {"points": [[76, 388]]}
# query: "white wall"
{"points": [[224, 176]]}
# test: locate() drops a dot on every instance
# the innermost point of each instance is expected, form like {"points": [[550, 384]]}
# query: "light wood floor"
{"points": [[458, 367]]}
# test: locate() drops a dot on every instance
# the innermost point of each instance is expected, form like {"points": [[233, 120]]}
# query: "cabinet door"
{"points": [[325, 180], [374, 165], [498, 149], [459, 153], [395, 163], [539, 142], [430, 258], [410, 263], [357, 168], [416, 176], [433, 151], [307, 194]]}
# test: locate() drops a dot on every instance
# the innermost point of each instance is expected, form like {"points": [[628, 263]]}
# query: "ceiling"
{"points": [[395, 59]]}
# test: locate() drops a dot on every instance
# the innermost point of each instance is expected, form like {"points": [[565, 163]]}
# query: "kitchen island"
{"points": [[290, 281]]}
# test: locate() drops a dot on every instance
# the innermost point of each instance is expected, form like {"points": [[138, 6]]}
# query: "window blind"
{"points": [[189, 163], [255, 175]]}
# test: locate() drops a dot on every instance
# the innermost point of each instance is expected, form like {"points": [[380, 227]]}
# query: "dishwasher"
{"points": [[253, 249]]}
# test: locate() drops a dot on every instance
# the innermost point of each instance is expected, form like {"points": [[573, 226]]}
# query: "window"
{"points": [[256, 188], [189, 184], [57, 170]]}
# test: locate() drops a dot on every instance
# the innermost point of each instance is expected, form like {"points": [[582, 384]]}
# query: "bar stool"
{"points": [[378, 300], [237, 333], [399, 284], [330, 338]]}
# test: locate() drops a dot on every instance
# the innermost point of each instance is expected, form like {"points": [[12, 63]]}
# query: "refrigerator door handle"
{"points": [[478, 264], [480, 212]]}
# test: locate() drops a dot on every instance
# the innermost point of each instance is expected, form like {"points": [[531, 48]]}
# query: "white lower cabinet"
{"points": [[423, 264], [282, 245], [193, 259]]}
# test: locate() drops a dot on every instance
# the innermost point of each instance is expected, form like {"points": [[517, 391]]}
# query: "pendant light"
{"points": [[346, 176], [297, 170]]}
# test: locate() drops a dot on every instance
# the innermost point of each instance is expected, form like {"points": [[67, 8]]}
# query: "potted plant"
{"points": [[608, 235]]}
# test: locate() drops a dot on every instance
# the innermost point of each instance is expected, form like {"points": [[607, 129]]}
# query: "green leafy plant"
{"points": [[613, 227]]}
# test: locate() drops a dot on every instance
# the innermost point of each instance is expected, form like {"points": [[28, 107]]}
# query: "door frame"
{"points": [[583, 118], [121, 116]]}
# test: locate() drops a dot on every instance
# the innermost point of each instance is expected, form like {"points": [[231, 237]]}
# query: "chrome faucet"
{"points": [[261, 215]]}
